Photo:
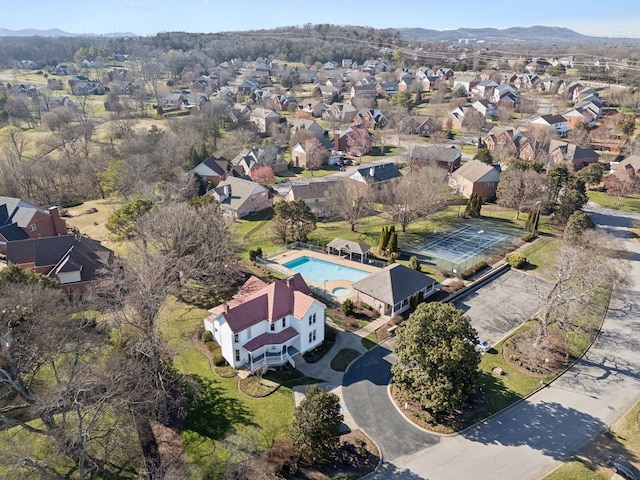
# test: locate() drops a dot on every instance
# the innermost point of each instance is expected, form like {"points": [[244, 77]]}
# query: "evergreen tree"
{"points": [[394, 243], [315, 432], [383, 238]]}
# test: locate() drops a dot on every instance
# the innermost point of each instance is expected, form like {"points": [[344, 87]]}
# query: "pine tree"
{"points": [[383, 236], [387, 237], [394, 242]]}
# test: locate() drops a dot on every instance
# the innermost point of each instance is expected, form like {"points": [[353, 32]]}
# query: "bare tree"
{"points": [[416, 195], [520, 189], [582, 274], [350, 199]]}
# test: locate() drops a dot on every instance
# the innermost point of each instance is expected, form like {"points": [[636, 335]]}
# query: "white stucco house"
{"points": [[266, 324]]}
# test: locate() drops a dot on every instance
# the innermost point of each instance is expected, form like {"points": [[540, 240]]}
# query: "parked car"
{"points": [[482, 346], [623, 468]]}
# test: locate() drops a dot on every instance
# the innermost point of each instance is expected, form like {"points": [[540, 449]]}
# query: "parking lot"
{"points": [[503, 304]]}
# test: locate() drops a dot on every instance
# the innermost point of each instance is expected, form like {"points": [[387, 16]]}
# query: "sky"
{"points": [[614, 18]]}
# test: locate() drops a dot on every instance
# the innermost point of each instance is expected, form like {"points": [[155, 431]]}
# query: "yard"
{"points": [[627, 204], [219, 407]]}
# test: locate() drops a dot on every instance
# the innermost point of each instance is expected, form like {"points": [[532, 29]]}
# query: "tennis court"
{"points": [[459, 249]]}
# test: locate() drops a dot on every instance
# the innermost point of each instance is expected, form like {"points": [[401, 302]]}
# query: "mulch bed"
{"points": [[551, 357]]}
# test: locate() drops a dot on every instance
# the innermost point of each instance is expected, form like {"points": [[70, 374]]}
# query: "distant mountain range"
{"points": [[56, 32], [537, 34], [513, 35]]}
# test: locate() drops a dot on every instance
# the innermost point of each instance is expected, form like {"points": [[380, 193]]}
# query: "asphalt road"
{"points": [[535, 435], [364, 390]]}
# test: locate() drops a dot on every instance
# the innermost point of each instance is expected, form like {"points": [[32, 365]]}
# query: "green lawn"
{"points": [[626, 204], [541, 254], [503, 390], [220, 406], [577, 469]]}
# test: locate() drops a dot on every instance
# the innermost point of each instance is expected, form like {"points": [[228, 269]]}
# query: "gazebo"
{"points": [[338, 246]]}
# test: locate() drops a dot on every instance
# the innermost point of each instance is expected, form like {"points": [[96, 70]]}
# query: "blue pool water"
{"points": [[318, 271]]}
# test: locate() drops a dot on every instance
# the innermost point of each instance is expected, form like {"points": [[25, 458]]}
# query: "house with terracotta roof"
{"points": [[74, 260], [391, 289], [267, 324]]}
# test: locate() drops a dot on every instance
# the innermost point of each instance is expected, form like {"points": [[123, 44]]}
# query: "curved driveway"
{"points": [[531, 437]]}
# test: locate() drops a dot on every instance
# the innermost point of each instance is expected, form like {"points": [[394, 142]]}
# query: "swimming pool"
{"points": [[319, 271]]}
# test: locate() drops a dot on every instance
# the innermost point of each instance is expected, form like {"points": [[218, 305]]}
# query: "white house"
{"points": [[267, 323]]}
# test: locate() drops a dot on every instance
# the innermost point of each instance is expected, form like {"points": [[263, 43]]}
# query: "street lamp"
{"points": [[480, 232]]}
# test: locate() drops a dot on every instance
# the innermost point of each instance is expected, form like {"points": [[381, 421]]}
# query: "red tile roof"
{"points": [[272, 302], [270, 339]]}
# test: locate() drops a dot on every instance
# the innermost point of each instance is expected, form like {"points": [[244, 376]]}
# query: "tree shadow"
{"points": [[390, 471], [548, 427], [211, 414]]}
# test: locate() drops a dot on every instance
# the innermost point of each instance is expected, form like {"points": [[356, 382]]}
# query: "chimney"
{"points": [[336, 142], [227, 190], [226, 307], [372, 171], [289, 282], [59, 225]]}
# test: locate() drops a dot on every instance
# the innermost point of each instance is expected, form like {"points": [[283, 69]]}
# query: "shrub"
{"points": [[474, 269], [206, 336], [414, 263], [347, 307], [516, 260], [527, 237], [255, 253]]}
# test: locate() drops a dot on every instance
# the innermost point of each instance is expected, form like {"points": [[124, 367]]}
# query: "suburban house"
{"points": [[74, 260], [455, 117], [390, 290], [265, 120], [239, 197], [266, 324], [418, 125], [354, 141], [343, 112], [213, 170], [508, 141], [250, 159], [354, 250], [576, 156], [447, 158], [310, 126], [313, 194], [627, 170], [485, 108], [370, 118], [468, 83], [173, 101], [484, 89], [476, 177], [300, 151], [313, 107], [375, 175], [20, 220], [556, 124]]}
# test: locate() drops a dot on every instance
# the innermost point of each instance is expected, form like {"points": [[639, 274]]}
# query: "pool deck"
{"points": [[329, 285]]}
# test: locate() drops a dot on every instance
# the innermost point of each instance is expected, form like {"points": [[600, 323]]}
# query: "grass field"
{"points": [[220, 406], [626, 204]]}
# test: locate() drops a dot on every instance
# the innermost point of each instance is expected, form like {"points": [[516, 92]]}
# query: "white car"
{"points": [[482, 346]]}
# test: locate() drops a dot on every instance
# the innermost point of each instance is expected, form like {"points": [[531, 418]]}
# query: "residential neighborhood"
{"points": [[216, 234]]}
